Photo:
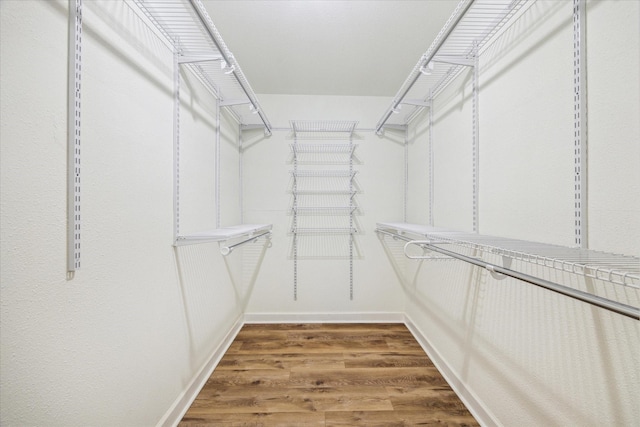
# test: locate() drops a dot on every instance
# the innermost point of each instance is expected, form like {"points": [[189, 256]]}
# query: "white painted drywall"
{"points": [[529, 356], [123, 339]]}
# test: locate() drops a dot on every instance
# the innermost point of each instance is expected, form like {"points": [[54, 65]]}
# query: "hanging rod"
{"points": [[230, 60], [226, 250], [617, 307], [424, 60], [188, 28]]}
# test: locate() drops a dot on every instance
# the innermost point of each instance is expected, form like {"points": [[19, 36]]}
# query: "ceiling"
{"points": [[328, 47]]}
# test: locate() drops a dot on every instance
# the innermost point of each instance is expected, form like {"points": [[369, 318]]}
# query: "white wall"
{"points": [[531, 357], [323, 284], [123, 339]]}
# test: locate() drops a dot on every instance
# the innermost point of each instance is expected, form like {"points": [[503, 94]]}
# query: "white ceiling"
{"points": [[328, 47]]}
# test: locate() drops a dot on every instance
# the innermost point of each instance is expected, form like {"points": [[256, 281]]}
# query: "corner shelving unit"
{"points": [[199, 48], [323, 192]]}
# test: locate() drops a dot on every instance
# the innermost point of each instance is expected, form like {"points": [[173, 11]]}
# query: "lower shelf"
{"points": [[223, 234]]}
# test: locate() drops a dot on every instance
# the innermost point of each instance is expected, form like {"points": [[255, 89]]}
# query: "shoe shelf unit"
{"points": [[199, 48], [323, 192]]}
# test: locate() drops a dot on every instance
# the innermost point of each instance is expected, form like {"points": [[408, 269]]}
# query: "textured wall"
{"points": [[530, 356], [118, 343]]}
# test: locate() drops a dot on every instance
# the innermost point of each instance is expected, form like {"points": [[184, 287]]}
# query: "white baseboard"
{"points": [[470, 400], [371, 317], [175, 413]]}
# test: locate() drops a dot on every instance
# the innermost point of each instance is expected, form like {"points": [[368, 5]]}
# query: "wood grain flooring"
{"points": [[326, 375]]}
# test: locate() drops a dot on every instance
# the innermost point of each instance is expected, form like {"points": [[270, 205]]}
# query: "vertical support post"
{"points": [[73, 136], [406, 173], [176, 146], [240, 172], [295, 214], [217, 163], [431, 160], [475, 140], [580, 123], [351, 232]]}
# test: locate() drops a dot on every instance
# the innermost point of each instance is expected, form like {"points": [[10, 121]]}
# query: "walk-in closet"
{"points": [[320, 212]]}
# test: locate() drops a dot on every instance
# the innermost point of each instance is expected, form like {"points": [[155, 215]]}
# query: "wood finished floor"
{"points": [[326, 375]]}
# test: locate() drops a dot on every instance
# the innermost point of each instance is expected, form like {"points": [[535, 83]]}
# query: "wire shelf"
{"points": [[464, 36], [223, 234], [326, 210], [188, 27], [329, 230], [325, 129], [608, 267], [323, 148], [324, 174]]}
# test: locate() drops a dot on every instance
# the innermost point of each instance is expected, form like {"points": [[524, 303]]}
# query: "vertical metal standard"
{"points": [[406, 173], [431, 162], [295, 214], [475, 139], [351, 208], [580, 122], [73, 135], [176, 146], [217, 191], [240, 172]]}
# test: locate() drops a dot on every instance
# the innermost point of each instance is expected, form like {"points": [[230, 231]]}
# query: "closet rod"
{"points": [[617, 307], [226, 250], [426, 58], [222, 48]]}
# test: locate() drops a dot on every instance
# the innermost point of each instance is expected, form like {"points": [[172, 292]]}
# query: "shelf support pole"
{"points": [[176, 146], [431, 161], [73, 136], [580, 123], [475, 139], [217, 164]]}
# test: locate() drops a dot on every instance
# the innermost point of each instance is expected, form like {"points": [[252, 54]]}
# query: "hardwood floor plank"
{"points": [[441, 399], [247, 399], [396, 418], [254, 377], [424, 377], [280, 419], [282, 361], [386, 360], [312, 346]]}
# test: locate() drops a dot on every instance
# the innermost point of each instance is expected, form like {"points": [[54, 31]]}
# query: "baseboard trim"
{"points": [[175, 413], [470, 400], [370, 317]]}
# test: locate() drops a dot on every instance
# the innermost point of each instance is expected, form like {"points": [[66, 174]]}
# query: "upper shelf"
{"points": [[613, 268], [188, 27], [457, 45]]}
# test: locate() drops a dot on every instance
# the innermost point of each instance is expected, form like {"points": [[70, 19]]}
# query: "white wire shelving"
{"points": [[471, 26], [319, 130], [200, 47], [324, 189], [615, 269], [324, 174], [246, 233]]}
